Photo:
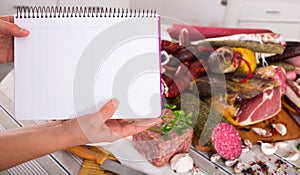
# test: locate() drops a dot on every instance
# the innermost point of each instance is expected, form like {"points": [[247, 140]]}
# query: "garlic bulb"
{"points": [[294, 156], [280, 128], [269, 149], [181, 163]]}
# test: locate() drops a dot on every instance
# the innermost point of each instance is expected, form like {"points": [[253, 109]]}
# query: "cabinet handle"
{"points": [[273, 11]]}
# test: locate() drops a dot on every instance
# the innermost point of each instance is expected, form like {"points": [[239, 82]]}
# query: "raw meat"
{"points": [[242, 103], [293, 93], [159, 149], [275, 73]]}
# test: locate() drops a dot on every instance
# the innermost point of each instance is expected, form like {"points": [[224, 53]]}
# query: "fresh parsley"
{"points": [[180, 122]]}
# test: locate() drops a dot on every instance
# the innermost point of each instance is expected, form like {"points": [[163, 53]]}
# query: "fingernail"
{"points": [[24, 31], [115, 102]]}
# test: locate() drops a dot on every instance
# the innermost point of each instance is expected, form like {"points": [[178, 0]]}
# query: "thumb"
{"points": [[108, 109], [12, 29]]}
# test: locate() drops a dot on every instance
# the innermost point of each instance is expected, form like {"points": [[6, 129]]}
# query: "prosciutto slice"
{"points": [[242, 104]]}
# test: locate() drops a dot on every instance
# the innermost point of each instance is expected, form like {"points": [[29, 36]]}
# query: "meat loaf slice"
{"points": [[159, 149]]}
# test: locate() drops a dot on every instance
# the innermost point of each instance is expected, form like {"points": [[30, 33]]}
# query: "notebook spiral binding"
{"points": [[69, 12]]}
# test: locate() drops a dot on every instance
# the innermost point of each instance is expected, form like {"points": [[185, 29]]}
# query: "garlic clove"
{"points": [[281, 144], [245, 149], [215, 157], [230, 163], [294, 156], [181, 163], [248, 143], [268, 148], [195, 170], [247, 146], [262, 132], [280, 128], [238, 168]]}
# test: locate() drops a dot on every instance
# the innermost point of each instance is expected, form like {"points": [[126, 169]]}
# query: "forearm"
{"points": [[23, 144]]}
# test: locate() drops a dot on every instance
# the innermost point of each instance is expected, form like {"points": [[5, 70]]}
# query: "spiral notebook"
{"points": [[77, 58]]}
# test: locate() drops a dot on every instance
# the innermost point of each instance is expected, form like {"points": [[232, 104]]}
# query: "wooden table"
{"points": [[62, 162]]}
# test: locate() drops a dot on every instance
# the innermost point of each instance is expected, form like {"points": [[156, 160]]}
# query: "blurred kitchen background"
{"points": [[281, 16]]}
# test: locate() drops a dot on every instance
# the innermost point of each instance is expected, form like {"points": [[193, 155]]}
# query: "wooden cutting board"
{"points": [[293, 129]]}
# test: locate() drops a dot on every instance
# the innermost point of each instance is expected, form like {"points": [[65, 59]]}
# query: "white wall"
{"points": [[197, 12], [111, 3], [7, 6]]}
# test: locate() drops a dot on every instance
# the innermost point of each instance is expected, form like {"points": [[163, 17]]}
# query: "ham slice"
{"points": [[242, 104], [275, 73], [261, 107]]}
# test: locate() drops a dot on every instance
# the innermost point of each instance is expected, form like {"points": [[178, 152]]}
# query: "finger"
{"points": [[122, 128], [7, 18], [11, 19], [98, 118], [108, 109], [12, 29]]}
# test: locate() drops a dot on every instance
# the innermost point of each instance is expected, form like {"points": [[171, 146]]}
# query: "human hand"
{"points": [[7, 32], [98, 127]]}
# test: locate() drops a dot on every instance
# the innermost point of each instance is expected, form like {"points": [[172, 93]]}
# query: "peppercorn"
{"points": [[298, 147], [264, 166], [249, 170]]}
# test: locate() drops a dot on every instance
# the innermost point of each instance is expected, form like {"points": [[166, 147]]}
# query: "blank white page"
{"points": [[72, 66]]}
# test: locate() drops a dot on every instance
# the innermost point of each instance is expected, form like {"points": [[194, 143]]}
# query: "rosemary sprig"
{"points": [[180, 122]]}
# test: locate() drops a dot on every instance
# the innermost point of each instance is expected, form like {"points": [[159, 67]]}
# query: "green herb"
{"points": [[297, 168], [298, 147], [170, 106], [179, 123]]}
